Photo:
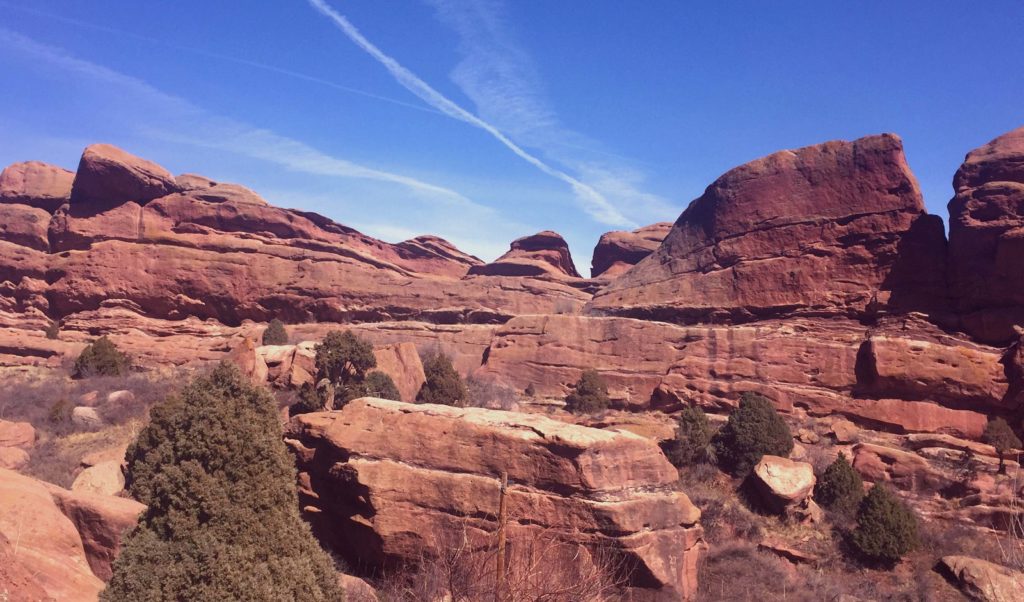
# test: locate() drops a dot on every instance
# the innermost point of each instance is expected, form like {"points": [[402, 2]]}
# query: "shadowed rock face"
{"points": [[392, 499], [986, 239], [617, 252], [542, 254], [816, 231]]}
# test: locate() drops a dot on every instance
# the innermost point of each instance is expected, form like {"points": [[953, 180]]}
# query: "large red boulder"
{"points": [[542, 254], [108, 176], [986, 239], [383, 500], [102, 522], [616, 252], [36, 184], [42, 542], [815, 231], [25, 226]]}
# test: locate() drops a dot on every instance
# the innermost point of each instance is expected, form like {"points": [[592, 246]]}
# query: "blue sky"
{"points": [[486, 120]]}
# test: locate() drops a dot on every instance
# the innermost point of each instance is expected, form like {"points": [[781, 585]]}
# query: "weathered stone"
{"points": [[402, 363], [48, 546], [812, 231], [105, 478], [101, 521], [542, 254], [356, 589], [986, 239], [36, 184], [13, 458], [85, 417], [617, 252], [17, 434], [785, 486], [844, 431], [25, 226], [108, 176], [982, 580], [906, 470], [398, 496]]}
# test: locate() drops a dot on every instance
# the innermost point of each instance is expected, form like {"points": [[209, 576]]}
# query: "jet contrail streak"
{"points": [[593, 201]]}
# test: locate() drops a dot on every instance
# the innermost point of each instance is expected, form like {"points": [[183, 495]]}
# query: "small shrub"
{"points": [[589, 396], [840, 489], [999, 435], [489, 393], [443, 385], [693, 438], [886, 528], [309, 400], [531, 391], [754, 430], [53, 331], [343, 359], [379, 384], [101, 358], [275, 334], [60, 413]]}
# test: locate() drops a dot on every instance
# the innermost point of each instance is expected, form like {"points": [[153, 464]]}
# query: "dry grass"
{"points": [[45, 399]]}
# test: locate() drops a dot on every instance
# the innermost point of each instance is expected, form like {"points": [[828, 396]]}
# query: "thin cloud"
{"points": [[500, 78], [219, 56], [593, 201], [227, 134]]}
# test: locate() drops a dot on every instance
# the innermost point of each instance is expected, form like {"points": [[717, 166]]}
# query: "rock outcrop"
{"points": [[41, 544], [616, 252], [815, 231], [986, 239], [36, 184], [542, 254], [785, 486], [102, 521], [395, 499], [982, 580], [108, 176]]}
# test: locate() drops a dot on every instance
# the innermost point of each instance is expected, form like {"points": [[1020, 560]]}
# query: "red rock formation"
{"points": [[108, 176], [616, 252], [47, 545], [36, 184], [101, 521], [816, 231], [184, 247], [25, 226], [542, 254], [394, 499], [986, 239]]}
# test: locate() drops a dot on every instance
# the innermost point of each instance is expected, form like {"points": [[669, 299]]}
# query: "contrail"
{"points": [[594, 203], [216, 55]]}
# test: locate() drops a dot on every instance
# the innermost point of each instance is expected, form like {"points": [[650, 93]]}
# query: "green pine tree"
{"points": [[101, 358], [275, 334], [589, 396], [378, 384], [222, 521], [840, 489], [693, 438], [443, 384], [886, 528], [754, 430]]}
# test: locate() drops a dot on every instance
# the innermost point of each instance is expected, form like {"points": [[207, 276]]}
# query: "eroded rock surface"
{"points": [[986, 239], [616, 252], [393, 499], [542, 254], [815, 231]]}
